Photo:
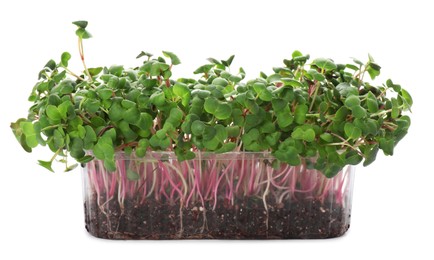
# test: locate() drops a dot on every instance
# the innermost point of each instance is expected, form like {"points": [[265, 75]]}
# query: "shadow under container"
{"points": [[236, 195]]}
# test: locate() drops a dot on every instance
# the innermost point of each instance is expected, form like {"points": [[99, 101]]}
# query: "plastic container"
{"points": [[214, 196]]}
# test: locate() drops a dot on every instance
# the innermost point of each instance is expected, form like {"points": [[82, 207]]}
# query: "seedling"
{"points": [[306, 116]]}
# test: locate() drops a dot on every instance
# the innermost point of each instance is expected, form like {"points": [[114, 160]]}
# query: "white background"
{"points": [[41, 213]]}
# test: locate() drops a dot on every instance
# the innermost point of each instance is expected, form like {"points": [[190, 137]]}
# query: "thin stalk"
{"points": [[184, 183], [73, 74], [264, 197], [81, 51], [317, 84]]}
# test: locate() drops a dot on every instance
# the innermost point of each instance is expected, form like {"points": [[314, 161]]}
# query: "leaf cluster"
{"points": [[305, 109]]}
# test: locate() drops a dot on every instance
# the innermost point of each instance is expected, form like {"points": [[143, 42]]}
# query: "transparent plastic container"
{"points": [[214, 196]]}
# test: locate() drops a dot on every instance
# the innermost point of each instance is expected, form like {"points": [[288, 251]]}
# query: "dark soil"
{"points": [[246, 219]]}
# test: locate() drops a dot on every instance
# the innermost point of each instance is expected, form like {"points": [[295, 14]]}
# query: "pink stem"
{"points": [[166, 172], [112, 186], [241, 175], [218, 182]]}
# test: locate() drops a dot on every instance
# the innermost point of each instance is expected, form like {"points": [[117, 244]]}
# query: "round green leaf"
{"points": [[198, 128], [300, 114], [66, 56], [223, 111], [324, 64], [352, 131], [352, 101], [358, 111], [53, 113]]}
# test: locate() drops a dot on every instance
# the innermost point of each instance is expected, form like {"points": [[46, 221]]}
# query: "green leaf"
{"points": [[316, 75], [387, 146], [85, 159], [353, 158], [76, 148], [233, 131], [292, 82], [147, 54], [212, 60], [174, 59], [227, 147], [89, 138], [370, 155], [262, 91], [127, 132], [326, 137], [352, 131], [116, 112], [30, 134], [395, 108], [372, 103], [197, 128], [38, 129], [158, 99], [83, 34], [162, 144], [279, 104], [116, 70], [353, 67], [220, 82], [51, 64], [296, 54], [358, 112], [223, 111], [341, 114], [352, 101], [127, 104], [46, 165], [112, 82], [300, 113], [104, 93], [94, 71], [204, 69], [158, 67], [209, 133], [407, 98], [250, 137], [324, 64], [303, 133], [140, 152], [58, 138], [132, 175], [201, 93], [346, 89], [64, 108], [228, 62], [180, 89], [81, 24], [211, 105], [146, 121], [92, 105], [289, 155], [66, 56], [332, 170], [273, 138], [53, 113], [284, 119], [104, 149], [220, 134], [373, 70]]}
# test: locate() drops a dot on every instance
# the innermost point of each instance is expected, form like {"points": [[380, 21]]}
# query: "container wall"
{"points": [[223, 196]]}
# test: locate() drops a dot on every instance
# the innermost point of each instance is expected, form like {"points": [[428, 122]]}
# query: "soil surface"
{"points": [[245, 219]]}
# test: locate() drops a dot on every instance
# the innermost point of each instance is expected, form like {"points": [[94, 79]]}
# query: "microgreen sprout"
{"points": [[316, 110]]}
